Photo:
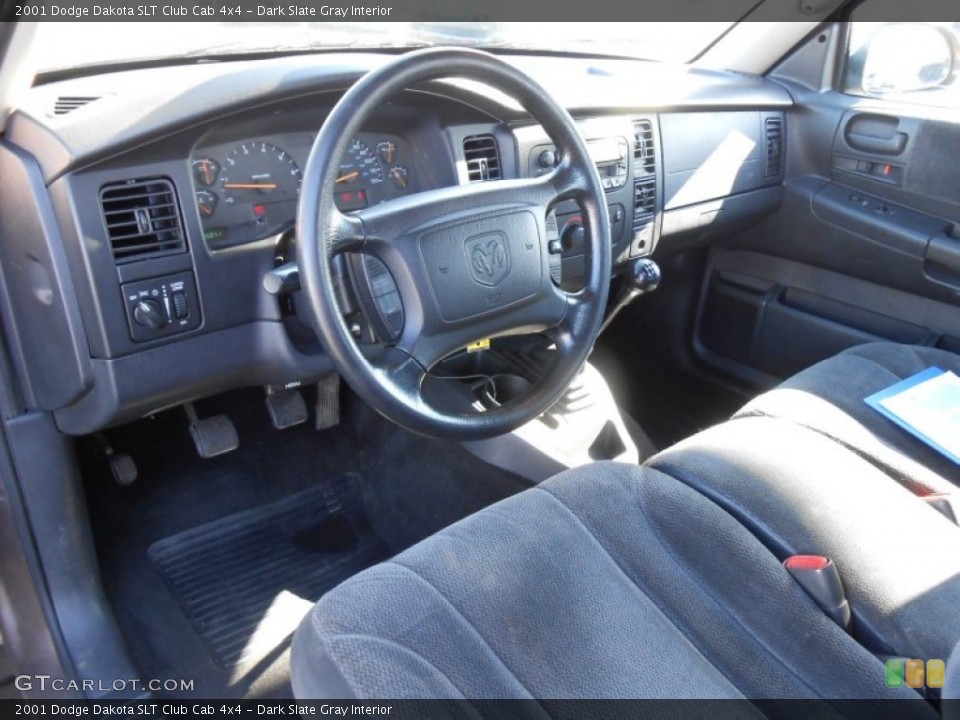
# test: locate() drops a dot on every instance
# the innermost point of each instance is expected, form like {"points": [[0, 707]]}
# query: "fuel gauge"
{"points": [[398, 174], [207, 202], [205, 171], [387, 150]]}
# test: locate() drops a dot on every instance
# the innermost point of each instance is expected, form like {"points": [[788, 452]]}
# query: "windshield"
{"points": [[69, 45]]}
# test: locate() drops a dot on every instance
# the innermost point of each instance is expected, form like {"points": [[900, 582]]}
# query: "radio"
{"points": [[610, 155]]}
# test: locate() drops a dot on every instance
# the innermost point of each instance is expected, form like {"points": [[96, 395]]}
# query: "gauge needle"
{"points": [[348, 177], [401, 180], [250, 186], [207, 174]]}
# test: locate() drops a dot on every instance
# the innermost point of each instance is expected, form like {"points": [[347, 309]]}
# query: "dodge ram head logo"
{"points": [[489, 258]]}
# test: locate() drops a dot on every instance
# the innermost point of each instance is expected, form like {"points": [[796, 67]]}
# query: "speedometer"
{"points": [[360, 167]]}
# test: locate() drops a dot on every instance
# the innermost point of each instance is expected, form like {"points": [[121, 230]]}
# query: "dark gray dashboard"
{"points": [[221, 157]]}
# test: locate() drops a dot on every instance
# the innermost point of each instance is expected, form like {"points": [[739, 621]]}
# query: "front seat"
{"points": [[829, 398], [609, 581]]}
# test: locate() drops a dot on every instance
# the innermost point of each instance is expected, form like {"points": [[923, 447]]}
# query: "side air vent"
{"points": [[483, 158], [68, 103], [644, 153], [773, 128], [142, 218], [645, 197]]}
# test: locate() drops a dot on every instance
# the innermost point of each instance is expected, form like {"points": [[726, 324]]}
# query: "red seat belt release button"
{"points": [[818, 576]]}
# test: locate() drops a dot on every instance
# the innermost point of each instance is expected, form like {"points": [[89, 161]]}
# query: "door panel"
{"points": [[864, 247]]}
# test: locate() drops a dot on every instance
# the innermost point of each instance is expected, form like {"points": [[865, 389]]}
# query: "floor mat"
{"points": [[246, 580]]}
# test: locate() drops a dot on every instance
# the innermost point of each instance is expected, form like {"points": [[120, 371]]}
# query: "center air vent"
{"points": [[482, 156], [68, 103], [645, 197], [142, 218], [773, 129], [644, 152]]}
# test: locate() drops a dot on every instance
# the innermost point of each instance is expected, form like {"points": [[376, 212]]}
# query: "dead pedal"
{"points": [[123, 468], [286, 408], [212, 436], [328, 401]]}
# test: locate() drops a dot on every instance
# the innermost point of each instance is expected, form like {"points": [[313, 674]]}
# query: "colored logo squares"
{"points": [[936, 672], [914, 673], [894, 673]]}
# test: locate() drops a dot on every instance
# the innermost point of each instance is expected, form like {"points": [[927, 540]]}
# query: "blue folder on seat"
{"points": [[926, 405]]}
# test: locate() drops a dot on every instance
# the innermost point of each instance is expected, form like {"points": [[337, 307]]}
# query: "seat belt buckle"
{"points": [[819, 577]]}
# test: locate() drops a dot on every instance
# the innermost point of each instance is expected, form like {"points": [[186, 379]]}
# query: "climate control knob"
{"points": [[148, 313]]}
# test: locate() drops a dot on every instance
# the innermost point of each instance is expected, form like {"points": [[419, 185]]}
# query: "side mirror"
{"points": [[907, 57]]}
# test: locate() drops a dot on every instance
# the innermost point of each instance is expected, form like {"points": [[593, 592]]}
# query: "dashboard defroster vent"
{"points": [[142, 219], [68, 103], [644, 152], [773, 132], [482, 157]]}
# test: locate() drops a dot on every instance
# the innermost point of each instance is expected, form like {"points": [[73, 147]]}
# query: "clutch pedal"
{"points": [[212, 436]]}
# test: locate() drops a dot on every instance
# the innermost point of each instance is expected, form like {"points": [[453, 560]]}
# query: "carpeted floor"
{"points": [[210, 563]]}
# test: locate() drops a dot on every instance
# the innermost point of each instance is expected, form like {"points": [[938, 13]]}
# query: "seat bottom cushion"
{"points": [[802, 493], [829, 398], [608, 581]]}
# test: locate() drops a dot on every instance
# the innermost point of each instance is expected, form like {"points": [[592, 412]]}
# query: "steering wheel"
{"points": [[469, 262]]}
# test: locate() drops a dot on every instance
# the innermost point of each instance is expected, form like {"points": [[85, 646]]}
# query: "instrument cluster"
{"points": [[248, 191]]}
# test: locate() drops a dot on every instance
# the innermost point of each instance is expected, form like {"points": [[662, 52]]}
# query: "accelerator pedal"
{"points": [[286, 407], [328, 401], [212, 436]]}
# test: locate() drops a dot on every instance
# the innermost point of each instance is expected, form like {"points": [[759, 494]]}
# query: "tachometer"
{"points": [[259, 173]]}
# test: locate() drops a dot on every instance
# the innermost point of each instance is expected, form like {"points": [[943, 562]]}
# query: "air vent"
{"points": [[68, 103], [482, 156], [645, 198], [142, 218], [774, 136], [644, 152]]}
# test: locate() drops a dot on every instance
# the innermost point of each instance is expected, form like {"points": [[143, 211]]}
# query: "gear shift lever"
{"points": [[642, 278]]}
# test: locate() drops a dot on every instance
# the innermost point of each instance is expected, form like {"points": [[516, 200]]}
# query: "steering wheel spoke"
{"points": [[567, 181], [343, 233]]}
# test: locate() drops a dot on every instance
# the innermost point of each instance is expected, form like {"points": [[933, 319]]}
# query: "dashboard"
{"points": [[146, 221]]}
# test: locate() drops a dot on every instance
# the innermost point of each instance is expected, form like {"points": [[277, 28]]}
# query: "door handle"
{"points": [[892, 145], [944, 251]]}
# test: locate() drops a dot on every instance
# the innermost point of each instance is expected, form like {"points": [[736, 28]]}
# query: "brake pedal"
{"points": [[328, 401], [212, 436], [286, 407]]}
